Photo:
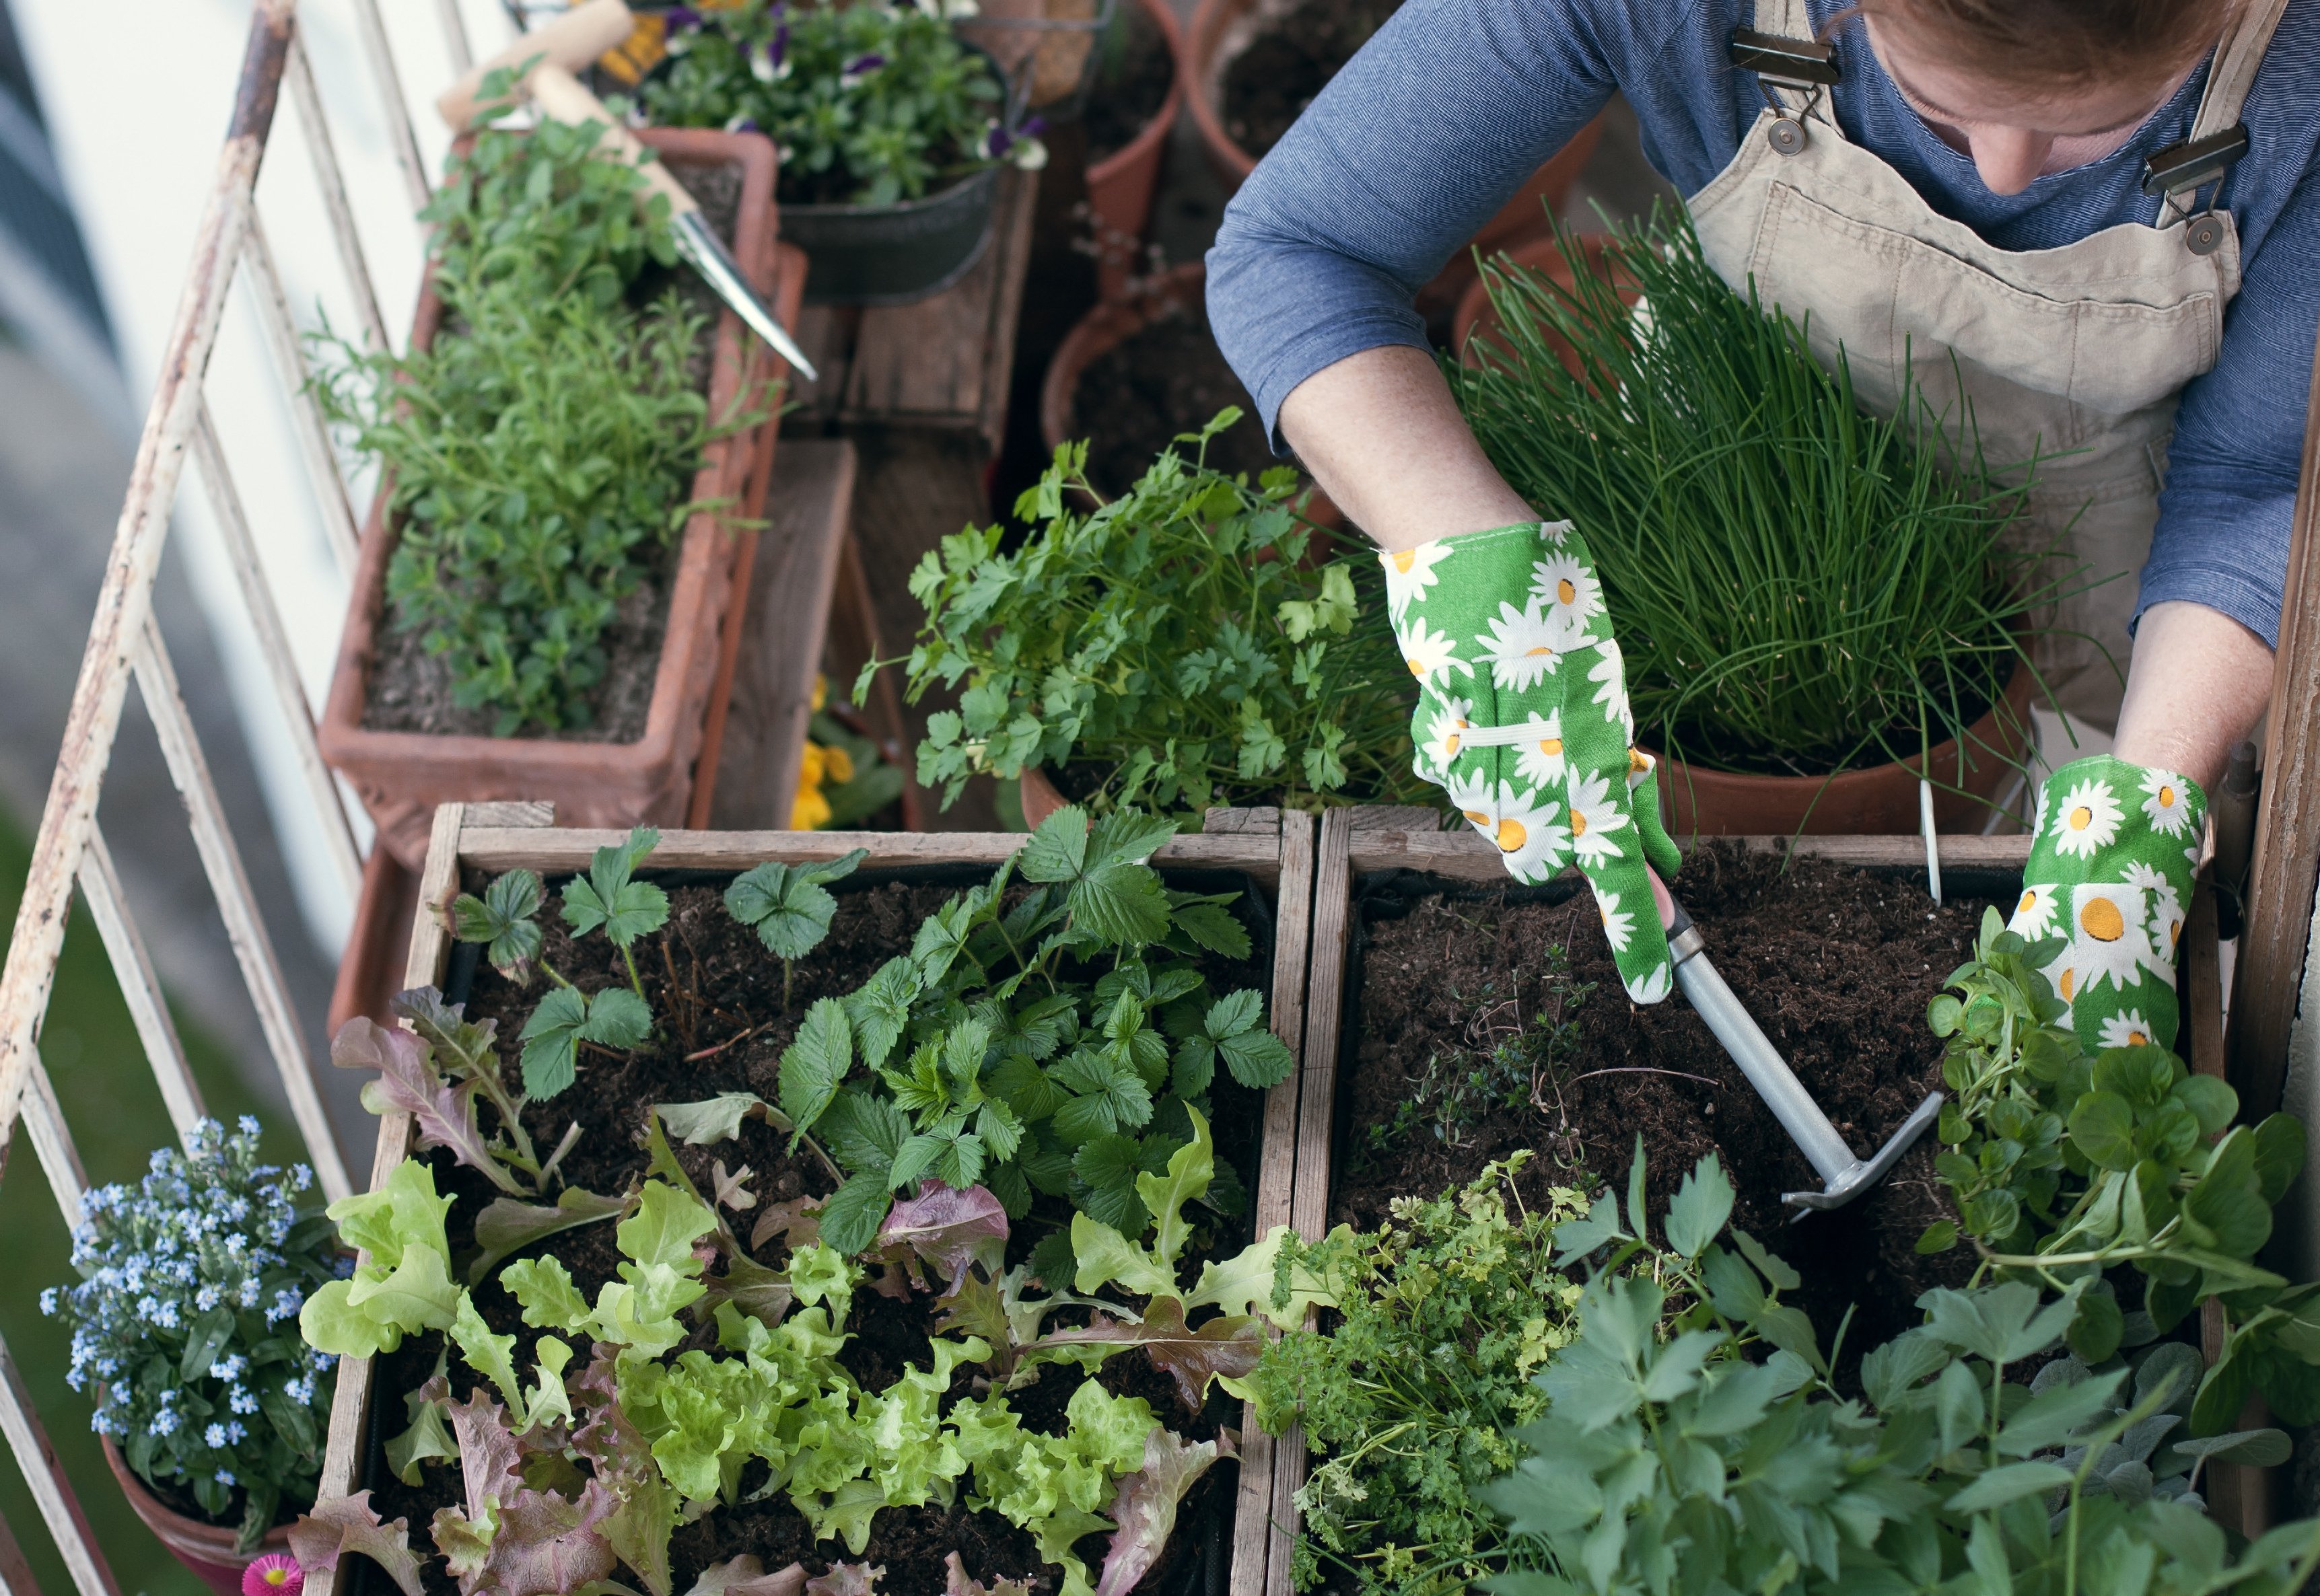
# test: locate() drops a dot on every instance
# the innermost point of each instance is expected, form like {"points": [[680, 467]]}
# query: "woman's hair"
{"points": [[2061, 41]]}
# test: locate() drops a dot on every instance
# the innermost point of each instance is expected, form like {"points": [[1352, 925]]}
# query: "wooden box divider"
{"points": [[1359, 842], [1273, 851]]}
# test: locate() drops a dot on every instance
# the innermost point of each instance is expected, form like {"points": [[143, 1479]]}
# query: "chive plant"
{"points": [[1800, 587]]}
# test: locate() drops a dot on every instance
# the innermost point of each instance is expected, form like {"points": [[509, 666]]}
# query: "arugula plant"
{"points": [[1692, 1441], [608, 898], [2064, 1166], [1195, 642], [789, 906], [541, 451], [870, 104], [1061, 1046], [1442, 1317]]}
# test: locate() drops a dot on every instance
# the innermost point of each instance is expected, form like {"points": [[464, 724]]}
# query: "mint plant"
{"points": [[2066, 1166], [1692, 1440], [542, 451], [1057, 1046], [870, 104], [1194, 643], [185, 1283]]}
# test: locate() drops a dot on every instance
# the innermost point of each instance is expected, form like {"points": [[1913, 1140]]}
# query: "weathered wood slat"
{"points": [[51, 1489]]}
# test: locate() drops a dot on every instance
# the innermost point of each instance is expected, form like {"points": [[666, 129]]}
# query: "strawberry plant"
{"points": [[2067, 1165], [541, 451], [1059, 1045], [1194, 643]]}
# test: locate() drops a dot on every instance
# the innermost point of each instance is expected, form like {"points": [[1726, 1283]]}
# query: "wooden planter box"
{"points": [[494, 837], [402, 776], [1359, 842]]}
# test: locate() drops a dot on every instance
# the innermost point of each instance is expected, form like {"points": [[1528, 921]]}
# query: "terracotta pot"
{"points": [[1476, 315], [1221, 29], [1880, 800], [1106, 328], [1120, 186], [1055, 37], [1041, 797], [207, 1550], [402, 776]]}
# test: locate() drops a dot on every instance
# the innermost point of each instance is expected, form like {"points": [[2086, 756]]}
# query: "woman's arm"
{"points": [[2197, 684], [1382, 435]]}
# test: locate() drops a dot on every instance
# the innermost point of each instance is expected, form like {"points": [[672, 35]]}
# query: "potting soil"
{"points": [[710, 981], [1169, 378], [1132, 83], [410, 690], [1291, 60], [1836, 965]]}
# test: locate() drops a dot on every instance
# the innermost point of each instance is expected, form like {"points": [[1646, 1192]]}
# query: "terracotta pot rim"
{"points": [[1172, 35], [346, 744], [1103, 329], [191, 1532]]}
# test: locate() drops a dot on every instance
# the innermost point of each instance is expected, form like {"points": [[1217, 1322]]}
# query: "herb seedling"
{"points": [[789, 907], [1181, 641]]}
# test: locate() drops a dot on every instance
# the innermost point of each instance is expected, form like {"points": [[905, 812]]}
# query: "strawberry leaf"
{"points": [[502, 920], [606, 897]]}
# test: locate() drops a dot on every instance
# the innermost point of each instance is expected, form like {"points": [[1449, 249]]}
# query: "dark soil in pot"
{"points": [[1131, 85], [410, 690], [710, 981], [1268, 85], [1836, 963], [1168, 378]]}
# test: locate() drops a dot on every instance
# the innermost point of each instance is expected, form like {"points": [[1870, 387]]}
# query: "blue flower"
{"points": [[858, 70], [240, 1401], [224, 1477], [165, 1422], [230, 1369], [214, 1438], [49, 1300]]}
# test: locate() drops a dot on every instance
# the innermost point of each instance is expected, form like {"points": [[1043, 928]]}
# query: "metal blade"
{"points": [[707, 254]]}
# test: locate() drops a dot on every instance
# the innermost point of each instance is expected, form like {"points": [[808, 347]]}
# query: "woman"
{"points": [[2105, 210]]}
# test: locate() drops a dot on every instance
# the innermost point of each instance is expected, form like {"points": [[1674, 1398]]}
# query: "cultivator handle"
{"points": [[1844, 1177], [569, 43]]}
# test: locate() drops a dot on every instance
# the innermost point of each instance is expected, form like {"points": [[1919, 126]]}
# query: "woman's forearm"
{"points": [[1382, 435], [2196, 687]]}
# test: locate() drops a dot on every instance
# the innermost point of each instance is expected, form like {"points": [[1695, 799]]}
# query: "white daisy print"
{"points": [[1521, 647], [1640, 766], [1427, 651], [1445, 727], [2087, 820], [1554, 532], [2127, 1030], [1619, 924], [2034, 915], [1474, 798], [1609, 675], [2167, 802], [1651, 986], [1593, 818], [1541, 762], [1532, 842], [2064, 975], [1569, 590], [2154, 881], [2166, 939], [1410, 572], [2108, 942]]}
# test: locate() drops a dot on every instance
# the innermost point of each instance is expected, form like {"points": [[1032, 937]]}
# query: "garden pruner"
{"points": [[1844, 1177]]}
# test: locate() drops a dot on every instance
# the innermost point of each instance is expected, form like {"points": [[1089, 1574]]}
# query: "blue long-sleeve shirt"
{"points": [[1429, 129]]}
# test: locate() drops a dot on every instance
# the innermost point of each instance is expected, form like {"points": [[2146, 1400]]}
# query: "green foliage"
{"points": [[2064, 1166], [1692, 1441], [614, 1018], [1799, 587], [1442, 1317], [1060, 1046], [870, 104], [542, 450], [404, 1286], [1184, 640], [789, 906], [504, 920], [608, 899]]}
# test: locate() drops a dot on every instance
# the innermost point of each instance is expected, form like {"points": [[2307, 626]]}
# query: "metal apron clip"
{"points": [[2182, 169], [1804, 66]]}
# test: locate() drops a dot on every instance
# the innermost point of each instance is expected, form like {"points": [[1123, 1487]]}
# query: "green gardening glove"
{"points": [[1522, 718], [2112, 854]]}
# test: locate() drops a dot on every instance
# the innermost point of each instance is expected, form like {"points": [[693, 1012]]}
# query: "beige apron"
{"points": [[2081, 348]]}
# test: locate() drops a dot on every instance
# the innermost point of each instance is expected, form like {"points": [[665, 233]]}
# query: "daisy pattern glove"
{"points": [[1522, 718], [2112, 853]]}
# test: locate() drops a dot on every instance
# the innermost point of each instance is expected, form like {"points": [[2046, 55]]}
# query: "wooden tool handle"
{"points": [[571, 41], [562, 98]]}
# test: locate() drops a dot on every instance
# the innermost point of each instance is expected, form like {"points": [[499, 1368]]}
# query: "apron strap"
{"points": [[1786, 19], [2237, 58]]}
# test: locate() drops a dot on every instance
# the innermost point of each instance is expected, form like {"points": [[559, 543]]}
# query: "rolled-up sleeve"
{"points": [[2222, 537], [1402, 158]]}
